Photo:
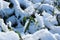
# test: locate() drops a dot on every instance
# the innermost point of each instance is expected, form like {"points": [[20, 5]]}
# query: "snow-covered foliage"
{"points": [[29, 19]]}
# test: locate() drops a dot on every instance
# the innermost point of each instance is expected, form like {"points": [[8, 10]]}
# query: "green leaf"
{"points": [[24, 20], [31, 18]]}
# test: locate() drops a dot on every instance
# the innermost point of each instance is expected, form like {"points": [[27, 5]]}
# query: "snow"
{"points": [[57, 36], [11, 35], [36, 1], [43, 25], [25, 3], [47, 1], [3, 26], [8, 12], [17, 8], [30, 10], [40, 20], [55, 29], [32, 28], [48, 8], [42, 34], [13, 20], [49, 18], [5, 4]]}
